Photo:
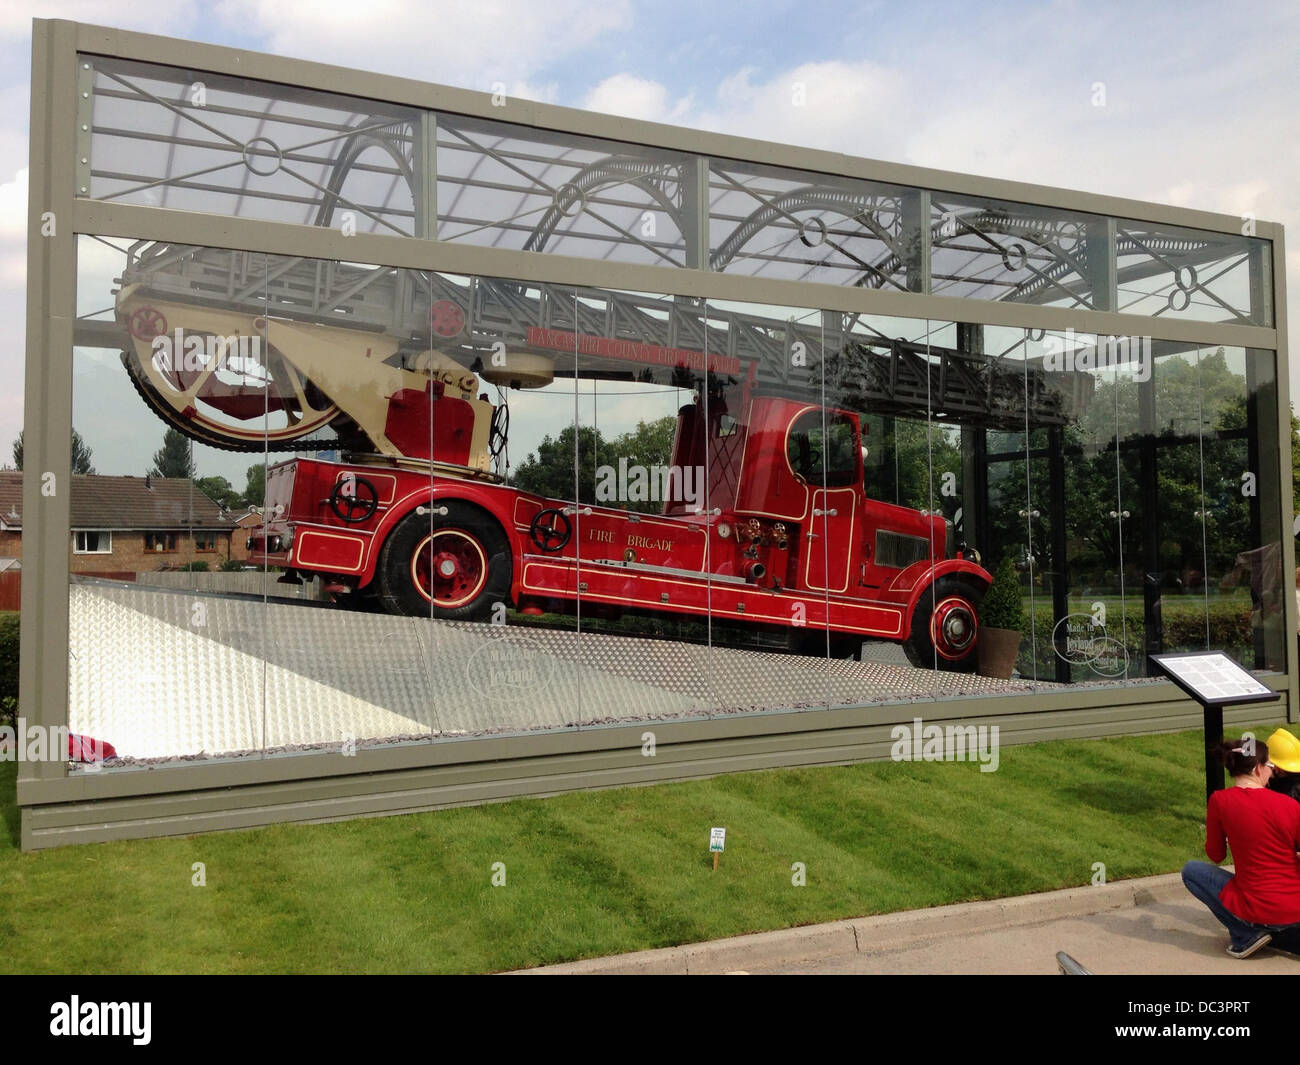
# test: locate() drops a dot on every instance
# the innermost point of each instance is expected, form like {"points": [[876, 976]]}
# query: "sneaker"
{"points": [[1261, 940]]}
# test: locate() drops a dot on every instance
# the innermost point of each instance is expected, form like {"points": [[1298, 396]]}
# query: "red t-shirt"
{"points": [[1263, 829]]}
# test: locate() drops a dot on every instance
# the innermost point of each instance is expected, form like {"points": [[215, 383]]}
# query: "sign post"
{"points": [[717, 841], [1214, 680]]}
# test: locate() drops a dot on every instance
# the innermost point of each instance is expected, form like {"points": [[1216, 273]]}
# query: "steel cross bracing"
{"points": [[860, 369]]}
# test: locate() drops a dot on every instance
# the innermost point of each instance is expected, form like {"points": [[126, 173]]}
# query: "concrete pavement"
{"points": [[1151, 925]]}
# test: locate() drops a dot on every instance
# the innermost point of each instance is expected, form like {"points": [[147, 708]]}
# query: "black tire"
{"points": [[950, 596], [467, 541]]}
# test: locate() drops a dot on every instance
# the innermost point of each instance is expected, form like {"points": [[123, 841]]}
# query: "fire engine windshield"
{"points": [[824, 453]]}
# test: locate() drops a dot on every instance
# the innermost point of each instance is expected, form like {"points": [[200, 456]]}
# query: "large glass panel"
{"points": [[638, 390], [351, 350], [199, 141], [1181, 514], [1240, 509], [479, 558], [1128, 534], [507, 186], [915, 578], [1027, 506], [504, 524], [1169, 272], [769, 550], [167, 629], [769, 222], [976, 449], [995, 250]]}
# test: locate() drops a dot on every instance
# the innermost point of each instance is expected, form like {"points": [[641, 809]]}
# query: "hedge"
{"points": [[8, 668]]}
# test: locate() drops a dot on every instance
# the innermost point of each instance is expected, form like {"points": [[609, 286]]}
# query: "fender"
{"points": [[482, 496], [498, 502], [920, 575]]}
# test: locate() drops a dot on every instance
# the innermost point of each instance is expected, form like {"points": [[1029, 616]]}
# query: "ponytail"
{"points": [[1235, 755]]}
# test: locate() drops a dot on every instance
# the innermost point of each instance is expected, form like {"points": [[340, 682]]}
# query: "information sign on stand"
{"points": [[1214, 680]]}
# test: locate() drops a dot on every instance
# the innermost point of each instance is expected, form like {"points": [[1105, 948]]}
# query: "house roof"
{"points": [[123, 503]]}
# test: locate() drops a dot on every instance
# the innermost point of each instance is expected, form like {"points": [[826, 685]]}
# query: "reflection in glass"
{"points": [[388, 505]]}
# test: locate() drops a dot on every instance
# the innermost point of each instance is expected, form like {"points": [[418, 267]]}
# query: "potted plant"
{"points": [[1002, 616]]}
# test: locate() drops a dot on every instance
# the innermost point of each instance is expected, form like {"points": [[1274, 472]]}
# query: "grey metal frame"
{"points": [[60, 808]]}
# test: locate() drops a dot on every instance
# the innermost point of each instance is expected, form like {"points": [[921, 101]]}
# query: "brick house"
{"points": [[125, 525]]}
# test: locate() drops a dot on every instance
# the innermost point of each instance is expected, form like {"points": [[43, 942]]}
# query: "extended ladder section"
{"points": [[315, 309]]}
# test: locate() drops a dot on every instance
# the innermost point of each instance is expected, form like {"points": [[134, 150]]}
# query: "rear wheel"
{"points": [[455, 565], [945, 626]]}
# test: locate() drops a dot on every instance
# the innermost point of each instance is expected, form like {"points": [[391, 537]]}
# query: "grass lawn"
{"points": [[602, 872]]}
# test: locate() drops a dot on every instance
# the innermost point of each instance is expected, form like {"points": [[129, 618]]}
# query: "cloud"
{"points": [[13, 230], [169, 17], [470, 43], [545, 93], [842, 106], [13, 208], [633, 97]]}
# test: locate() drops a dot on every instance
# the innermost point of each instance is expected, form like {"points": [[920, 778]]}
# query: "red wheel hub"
{"points": [[446, 319], [146, 323], [449, 568], [953, 627]]}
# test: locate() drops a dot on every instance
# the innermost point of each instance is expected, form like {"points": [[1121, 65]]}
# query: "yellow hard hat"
{"points": [[1284, 751]]}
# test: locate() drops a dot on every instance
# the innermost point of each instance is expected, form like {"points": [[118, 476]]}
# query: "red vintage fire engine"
{"points": [[783, 536]]}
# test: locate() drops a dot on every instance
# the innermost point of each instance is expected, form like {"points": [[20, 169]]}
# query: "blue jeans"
{"points": [[1205, 881]]}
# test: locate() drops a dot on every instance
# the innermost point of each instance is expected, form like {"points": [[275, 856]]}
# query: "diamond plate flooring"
{"points": [[164, 673]]}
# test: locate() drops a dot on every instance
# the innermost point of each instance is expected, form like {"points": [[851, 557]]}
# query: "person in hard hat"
{"points": [[1260, 902], [1284, 753]]}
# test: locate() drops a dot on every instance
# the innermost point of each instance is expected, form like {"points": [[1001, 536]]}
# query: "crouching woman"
{"points": [[1261, 902]]}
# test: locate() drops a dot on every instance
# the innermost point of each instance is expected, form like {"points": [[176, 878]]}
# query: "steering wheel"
{"points": [[354, 500], [499, 430], [550, 529]]}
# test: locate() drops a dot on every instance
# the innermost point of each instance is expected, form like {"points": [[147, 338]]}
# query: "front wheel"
{"points": [[454, 566], [945, 626]]}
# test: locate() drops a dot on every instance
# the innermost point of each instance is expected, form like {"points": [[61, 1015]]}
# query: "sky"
{"points": [[1199, 105]]}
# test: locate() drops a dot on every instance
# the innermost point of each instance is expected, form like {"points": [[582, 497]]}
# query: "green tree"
{"points": [[220, 491], [81, 456], [173, 459], [254, 486], [549, 470], [1201, 519], [649, 444]]}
